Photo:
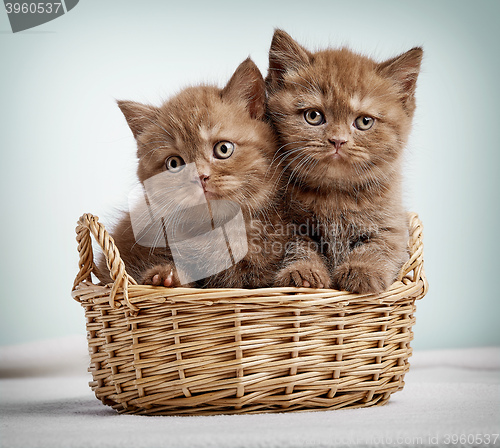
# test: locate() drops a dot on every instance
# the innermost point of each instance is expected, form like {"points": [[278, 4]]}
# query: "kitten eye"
{"points": [[314, 117], [223, 150], [364, 123], [174, 164]]}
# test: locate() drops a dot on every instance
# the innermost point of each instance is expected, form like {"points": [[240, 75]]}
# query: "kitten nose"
{"points": [[337, 142], [204, 179]]}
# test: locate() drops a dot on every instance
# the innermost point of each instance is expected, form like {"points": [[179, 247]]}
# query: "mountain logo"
{"points": [[24, 15], [205, 237]]}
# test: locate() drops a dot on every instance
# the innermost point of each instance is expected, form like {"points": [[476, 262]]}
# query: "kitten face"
{"points": [[342, 118], [222, 140], [220, 131]]}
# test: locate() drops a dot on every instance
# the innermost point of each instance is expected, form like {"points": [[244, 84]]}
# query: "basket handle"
{"points": [[416, 249], [89, 224]]}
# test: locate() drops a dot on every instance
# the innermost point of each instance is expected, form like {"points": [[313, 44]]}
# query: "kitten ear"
{"points": [[284, 55], [138, 115], [404, 69], [247, 84]]}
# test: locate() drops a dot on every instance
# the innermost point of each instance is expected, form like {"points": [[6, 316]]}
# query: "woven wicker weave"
{"points": [[163, 351]]}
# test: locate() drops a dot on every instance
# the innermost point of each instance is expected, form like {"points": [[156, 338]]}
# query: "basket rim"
{"points": [[141, 296]]}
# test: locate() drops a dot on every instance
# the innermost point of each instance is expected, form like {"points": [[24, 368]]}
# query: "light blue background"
{"points": [[66, 149]]}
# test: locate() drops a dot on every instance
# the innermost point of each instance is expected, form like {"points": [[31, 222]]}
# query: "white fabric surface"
{"points": [[448, 395]]}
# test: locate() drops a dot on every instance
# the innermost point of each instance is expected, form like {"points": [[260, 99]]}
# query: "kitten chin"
{"points": [[343, 121], [211, 144]]}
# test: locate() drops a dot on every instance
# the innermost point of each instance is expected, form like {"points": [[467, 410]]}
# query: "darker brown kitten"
{"points": [[220, 135], [343, 121]]}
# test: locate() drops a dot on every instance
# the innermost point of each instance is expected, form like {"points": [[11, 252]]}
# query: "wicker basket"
{"points": [[163, 351]]}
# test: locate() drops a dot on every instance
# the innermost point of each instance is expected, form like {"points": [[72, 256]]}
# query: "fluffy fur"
{"points": [[189, 126], [344, 183]]}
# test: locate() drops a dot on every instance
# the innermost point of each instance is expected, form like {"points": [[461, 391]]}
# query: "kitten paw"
{"points": [[303, 274], [161, 275], [360, 279]]}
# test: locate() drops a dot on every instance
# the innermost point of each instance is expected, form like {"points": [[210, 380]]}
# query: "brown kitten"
{"points": [[222, 136], [343, 121]]}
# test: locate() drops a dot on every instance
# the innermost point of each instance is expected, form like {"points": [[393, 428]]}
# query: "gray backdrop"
{"points": [[66, 148]]}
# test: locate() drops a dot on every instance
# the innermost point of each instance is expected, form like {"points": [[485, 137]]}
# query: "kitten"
{"points": [[221, 135], [343, 121]]}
